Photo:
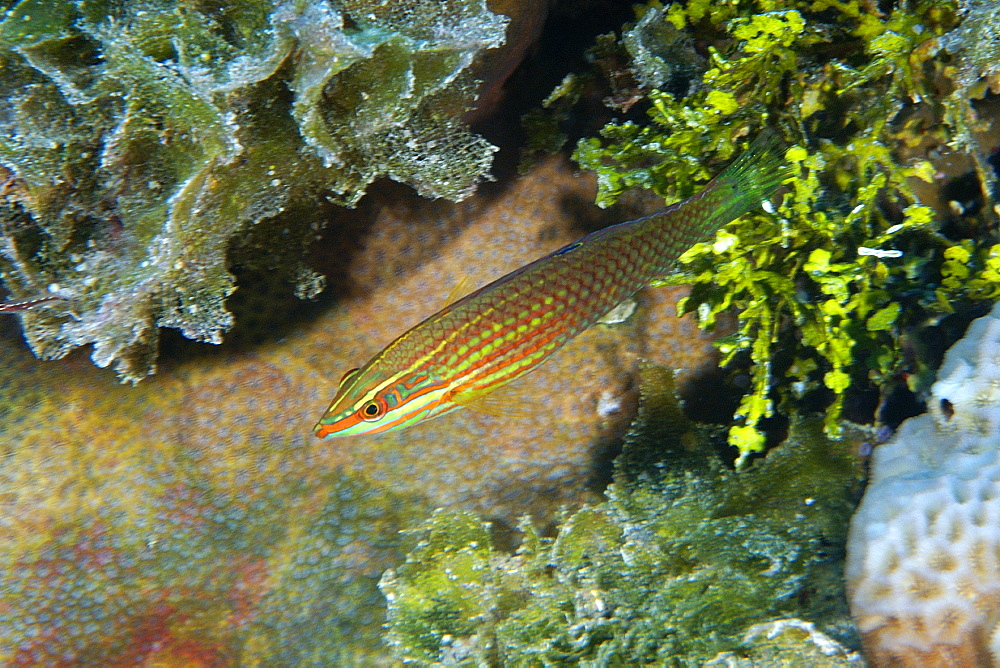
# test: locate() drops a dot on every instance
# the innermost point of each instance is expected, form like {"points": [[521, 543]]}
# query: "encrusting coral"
{"points": [[195, 515], [141, 140], [923, 563], [148, 527]]}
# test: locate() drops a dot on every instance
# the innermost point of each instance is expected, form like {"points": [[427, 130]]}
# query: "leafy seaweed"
{"points": [[852, 260], [141, 140]]}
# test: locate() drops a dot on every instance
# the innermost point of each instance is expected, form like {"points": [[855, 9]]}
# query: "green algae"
{"points": [[140, 141], [681, 559], [787, 642], [851, 264]]}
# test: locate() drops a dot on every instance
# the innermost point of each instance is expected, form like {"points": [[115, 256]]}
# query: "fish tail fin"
{"points": [[750, 179]]}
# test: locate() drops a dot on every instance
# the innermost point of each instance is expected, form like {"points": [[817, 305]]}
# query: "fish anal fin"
{"points": [[504, 401]]}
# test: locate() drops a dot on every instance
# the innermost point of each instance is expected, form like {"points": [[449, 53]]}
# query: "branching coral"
{"points": [[851, 261], [140, 140]]}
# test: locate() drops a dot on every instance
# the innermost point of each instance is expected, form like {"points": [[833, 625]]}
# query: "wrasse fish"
{"points": [[469, 349], [25, 304]]}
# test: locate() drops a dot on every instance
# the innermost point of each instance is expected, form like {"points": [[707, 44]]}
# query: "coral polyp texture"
{"points": [[147, 527], [193, 518], [923, 567], [142, 140]]}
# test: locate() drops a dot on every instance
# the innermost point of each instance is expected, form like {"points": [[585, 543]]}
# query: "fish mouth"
{"points": [[323, 431]]}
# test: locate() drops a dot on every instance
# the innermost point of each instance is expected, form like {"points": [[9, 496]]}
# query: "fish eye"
{"points": [[373, 410]]}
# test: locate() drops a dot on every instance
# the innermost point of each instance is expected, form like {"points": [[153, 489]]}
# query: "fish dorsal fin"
{"points": [[505, 401], [460, 290], [347, 376]]}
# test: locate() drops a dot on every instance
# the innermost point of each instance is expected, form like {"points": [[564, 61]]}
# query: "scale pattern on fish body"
{"points": [[503, 330]]}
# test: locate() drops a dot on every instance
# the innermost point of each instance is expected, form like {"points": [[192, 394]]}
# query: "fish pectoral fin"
{"points": [[501, 402], [620, 313]]}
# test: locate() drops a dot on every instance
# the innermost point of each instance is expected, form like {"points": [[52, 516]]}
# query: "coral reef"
{"points": [[194, 517], [832, 289], [923, 566], [680, 560], [141, 140]]}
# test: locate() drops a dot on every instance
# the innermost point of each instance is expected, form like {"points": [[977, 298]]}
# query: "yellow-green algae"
{"points": [[832, 288], [139, 140], [680, 560], [779, 642]]}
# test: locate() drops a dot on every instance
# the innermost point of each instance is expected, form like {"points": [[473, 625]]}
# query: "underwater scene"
{"points": [[496, 333]]}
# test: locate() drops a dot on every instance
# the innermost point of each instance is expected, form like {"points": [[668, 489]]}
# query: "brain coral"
{"points": [[923, 567], [140, 140]]}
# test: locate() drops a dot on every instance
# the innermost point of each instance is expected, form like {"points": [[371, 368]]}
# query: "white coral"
{"points": [[923, 564]]}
